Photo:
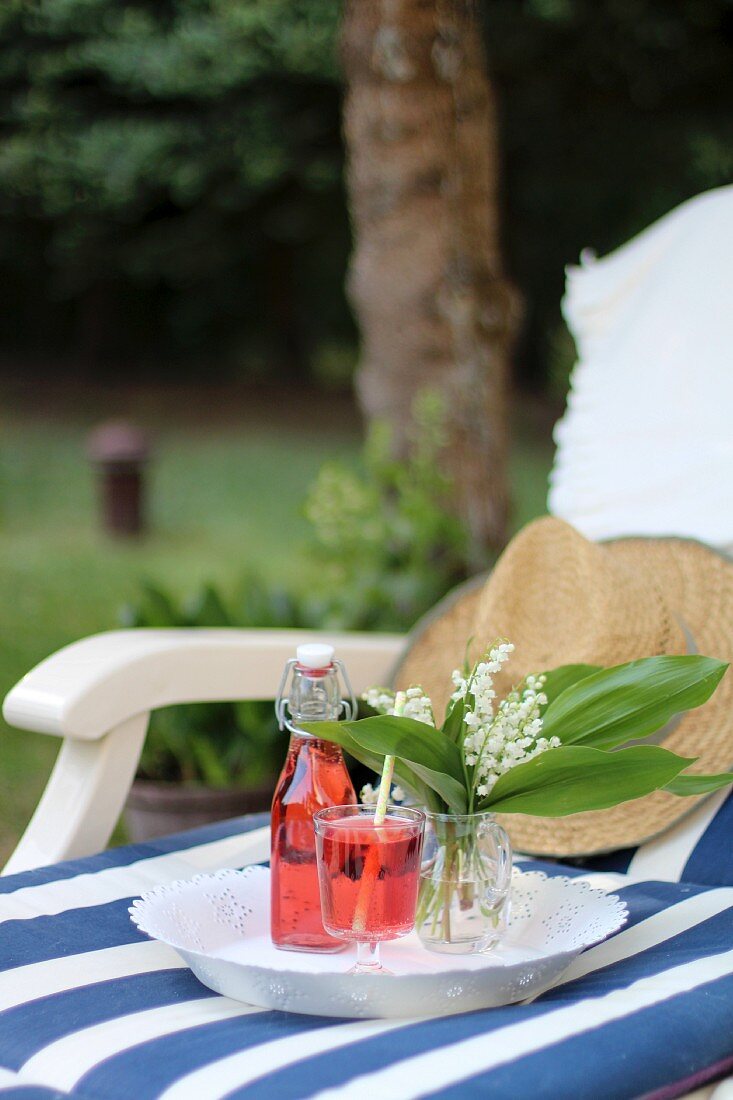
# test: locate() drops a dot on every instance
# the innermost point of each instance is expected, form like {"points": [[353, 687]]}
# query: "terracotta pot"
{"points": [[156, 809]]}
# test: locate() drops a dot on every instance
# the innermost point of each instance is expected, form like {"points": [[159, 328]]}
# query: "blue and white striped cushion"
{"points": [[699, 848], [90, 1009]]}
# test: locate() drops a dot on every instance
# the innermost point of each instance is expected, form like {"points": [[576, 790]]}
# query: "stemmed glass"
{"points": [[368, 876]]}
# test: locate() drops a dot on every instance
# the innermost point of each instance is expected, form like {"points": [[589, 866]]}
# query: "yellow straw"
{"points": [[384, 788], [385, 782], [371, 867]]}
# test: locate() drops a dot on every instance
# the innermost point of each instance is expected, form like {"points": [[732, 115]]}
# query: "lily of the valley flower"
{"points": [[369, 794], [417, 704], [498, 740], [495, 737]]}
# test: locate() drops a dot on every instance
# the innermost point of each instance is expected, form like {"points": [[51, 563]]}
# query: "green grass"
{"points": [[222, 501]]}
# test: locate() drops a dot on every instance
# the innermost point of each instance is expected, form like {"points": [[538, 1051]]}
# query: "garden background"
{"points": [[174, 237]]}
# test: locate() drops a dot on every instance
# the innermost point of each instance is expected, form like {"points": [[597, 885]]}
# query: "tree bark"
{"points": [[426, 278]]}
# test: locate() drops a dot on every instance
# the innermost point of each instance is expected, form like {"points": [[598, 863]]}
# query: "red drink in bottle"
{"points": [[314, 777]]}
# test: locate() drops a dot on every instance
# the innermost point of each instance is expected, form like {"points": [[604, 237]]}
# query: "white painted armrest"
{"points": [[91, 686], [98, 693]]}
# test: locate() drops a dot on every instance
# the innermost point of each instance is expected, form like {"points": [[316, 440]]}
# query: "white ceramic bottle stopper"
{"points": [[315, 655]]}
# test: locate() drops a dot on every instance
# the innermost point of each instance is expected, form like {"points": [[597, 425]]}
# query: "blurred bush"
{"points": [[165, 169], [218, 744], [170, 170], [385, 542], [384, 549]]}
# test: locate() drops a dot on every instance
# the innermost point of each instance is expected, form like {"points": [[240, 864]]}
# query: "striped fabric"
{"points": [[89, 1008]]}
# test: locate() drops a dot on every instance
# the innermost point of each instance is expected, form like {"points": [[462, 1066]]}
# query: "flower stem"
{"points": [[452, 860]]}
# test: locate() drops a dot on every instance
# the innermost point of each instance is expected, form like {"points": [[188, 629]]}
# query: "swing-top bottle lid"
{"points": [[315, 655]]}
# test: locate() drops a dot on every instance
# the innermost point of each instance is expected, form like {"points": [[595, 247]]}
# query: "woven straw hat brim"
{"points": [[437, 643], [697, 586]]}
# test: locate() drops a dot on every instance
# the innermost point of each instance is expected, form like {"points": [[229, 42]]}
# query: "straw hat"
{"points": [[562, 600]]}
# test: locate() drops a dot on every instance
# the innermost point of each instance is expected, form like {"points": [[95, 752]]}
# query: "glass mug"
{"points": [[465, 882]]}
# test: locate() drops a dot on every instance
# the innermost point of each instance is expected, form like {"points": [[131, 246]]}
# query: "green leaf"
{"points": [[408, 740], [209, 763], [207, 609], [571, 779], [558, 679], [420, 750], [412, 784], [698, 784], [340, 735], [450, 790], [403, 773], [630, 701], [453, 724], [157, 607]]}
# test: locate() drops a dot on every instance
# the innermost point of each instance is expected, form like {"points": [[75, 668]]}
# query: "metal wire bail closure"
{"points": [[348, 704]]}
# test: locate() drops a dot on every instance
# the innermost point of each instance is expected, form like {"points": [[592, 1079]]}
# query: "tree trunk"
{"points": [[426, 279]]}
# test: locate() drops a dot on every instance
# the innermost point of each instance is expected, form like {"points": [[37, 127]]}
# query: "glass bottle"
{"points": [[314, 777]]}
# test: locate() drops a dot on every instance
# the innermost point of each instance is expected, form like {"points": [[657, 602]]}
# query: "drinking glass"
{"points": [[368, 876]]}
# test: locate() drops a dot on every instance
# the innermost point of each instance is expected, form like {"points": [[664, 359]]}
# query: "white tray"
{"points": [[220, 925]]}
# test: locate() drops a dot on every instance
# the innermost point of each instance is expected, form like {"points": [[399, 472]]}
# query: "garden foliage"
{"points": [[165, 168], [170, 170], [386, 542], [384, 549], [219, 744]]}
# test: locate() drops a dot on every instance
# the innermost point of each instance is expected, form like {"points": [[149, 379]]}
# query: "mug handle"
{"points": [[504, 848]]}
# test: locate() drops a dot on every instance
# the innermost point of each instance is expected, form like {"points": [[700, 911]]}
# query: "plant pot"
{"points": [[465, 881], [156, 809]]}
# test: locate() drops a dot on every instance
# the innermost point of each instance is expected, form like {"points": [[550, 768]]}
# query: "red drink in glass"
{"points": [[368, 874]]}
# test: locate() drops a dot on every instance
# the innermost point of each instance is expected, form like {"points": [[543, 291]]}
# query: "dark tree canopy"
{"points": [[170, 171], [612, 113]]}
